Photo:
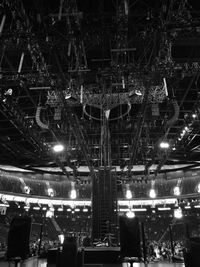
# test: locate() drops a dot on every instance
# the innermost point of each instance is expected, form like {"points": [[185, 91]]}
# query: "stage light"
{"points": [[194, 116], [130, 214], [178, 214], [27, 189], [128, 194], [49, 214], [73, 194], [61, 238], [58, 148], [177, 191], [152, 193], [77, 209], [50, 192], [198, 188], [164, 145], [8, 92], [85, 209]]}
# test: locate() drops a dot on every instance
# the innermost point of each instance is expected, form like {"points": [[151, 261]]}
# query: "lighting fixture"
{"points": [[178, 214], [27, 189], [61, 238], [194, 116], [198, 188], [58, 148], [128, 194], [130, 214], [164, 145], [85, 209], [164, 208], [177, 191], [49, 214], [50, 192], [152, 193]]}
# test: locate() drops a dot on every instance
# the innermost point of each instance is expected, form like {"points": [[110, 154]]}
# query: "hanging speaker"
{"points": [[130, 237], [18, 238]]}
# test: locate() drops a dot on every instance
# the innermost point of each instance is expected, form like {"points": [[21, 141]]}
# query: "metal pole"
{"points": [[171, 239], [144, 243], [41, 232]]}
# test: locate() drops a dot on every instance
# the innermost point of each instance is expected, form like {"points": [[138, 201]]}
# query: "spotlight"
{"points": [[178, 214], [130, 214], [152, 193], [164, 144], [58, 148]]}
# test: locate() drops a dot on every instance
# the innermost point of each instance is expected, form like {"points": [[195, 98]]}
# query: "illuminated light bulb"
{"points": [[178, 214], [130, 214], [27, 189], [49, 214], [198, 188], [128, 194], [58, 148], [61, 238], [152, 193], [194, 116], [50, 192], [164, 145], [177, 191], [85, 210], [73, 194]]}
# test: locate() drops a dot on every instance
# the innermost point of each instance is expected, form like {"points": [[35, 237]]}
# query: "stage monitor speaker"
{"points": [[69, 253], [18, 238], [130, 237]]}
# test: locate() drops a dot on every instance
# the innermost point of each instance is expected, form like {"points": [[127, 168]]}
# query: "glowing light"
{"points": [[58, 148], [178, 214], [61, 238], [177, 191], [73, 194], [49, 214], [194, 116], [152, 193], [164, 144], [27, 189], [198, 188], [128, 194], [130, 214], [50, 192], [85, 210]]}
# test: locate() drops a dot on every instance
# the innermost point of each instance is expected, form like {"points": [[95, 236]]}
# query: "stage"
{"points": [[43, 263]]}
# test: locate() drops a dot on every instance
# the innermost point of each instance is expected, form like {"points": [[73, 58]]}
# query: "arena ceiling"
{"points": [[109, 80]]}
